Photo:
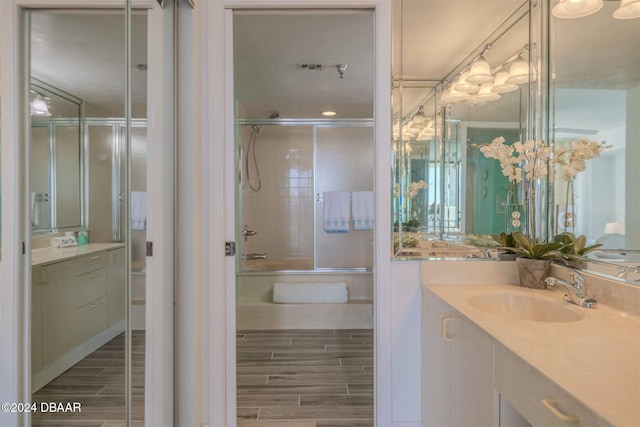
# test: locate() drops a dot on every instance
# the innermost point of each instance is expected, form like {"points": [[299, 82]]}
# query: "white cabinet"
{"points": [[74, 305], [116, 285], [536, 398], [457, 375], [57, 288], [91, 294]]}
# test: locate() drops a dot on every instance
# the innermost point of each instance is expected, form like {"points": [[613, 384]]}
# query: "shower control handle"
{"points": [[246, 233]]}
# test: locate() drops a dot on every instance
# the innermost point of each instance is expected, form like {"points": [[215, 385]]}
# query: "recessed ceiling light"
{"points": [[329, 113]]}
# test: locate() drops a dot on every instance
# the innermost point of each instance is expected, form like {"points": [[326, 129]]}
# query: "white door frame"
{"points": [[215, 279], [15, 267]]}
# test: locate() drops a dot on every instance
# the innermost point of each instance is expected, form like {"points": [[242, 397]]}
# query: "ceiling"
{"points": [[83, 53]]}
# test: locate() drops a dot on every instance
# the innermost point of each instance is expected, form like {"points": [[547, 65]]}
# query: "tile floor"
{"points": [[97, 383], [286, 378], [305, 378]]}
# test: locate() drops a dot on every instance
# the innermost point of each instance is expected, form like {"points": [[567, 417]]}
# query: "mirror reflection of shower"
{"points": [[250, 160]]}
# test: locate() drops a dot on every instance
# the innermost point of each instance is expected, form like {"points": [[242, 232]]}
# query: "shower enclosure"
{"points": [[285, 168]]}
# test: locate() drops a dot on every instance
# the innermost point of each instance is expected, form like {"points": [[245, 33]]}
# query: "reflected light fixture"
{"points": [[419, 120], [451, 96], [480, 72], [568, 9], [485, 93], [628, 9], [329, 113], [39, 106], [518, 72], [462, 85], [500, 84]]}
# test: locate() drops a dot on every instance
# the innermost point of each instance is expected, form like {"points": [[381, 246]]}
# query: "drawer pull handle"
{"points": [[92, 275], [94, 257], [94, 305], [444, 319], [550, 405]]}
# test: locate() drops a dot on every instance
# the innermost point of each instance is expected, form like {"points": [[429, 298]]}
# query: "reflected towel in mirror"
{"points": [[138, 210]]}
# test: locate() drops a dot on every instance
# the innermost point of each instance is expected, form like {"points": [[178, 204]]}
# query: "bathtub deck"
{"points": [[260, 315]]}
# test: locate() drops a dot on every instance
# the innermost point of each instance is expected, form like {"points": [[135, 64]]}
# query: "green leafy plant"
{"points": [[505, 241], [530, 248], [573, 246], [407, 241]]}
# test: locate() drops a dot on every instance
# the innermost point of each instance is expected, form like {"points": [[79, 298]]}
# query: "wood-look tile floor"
{"points": [[97, 383], [305, 378]]}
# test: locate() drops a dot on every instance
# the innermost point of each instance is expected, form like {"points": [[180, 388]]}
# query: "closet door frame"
{"points": [[15, 265]]}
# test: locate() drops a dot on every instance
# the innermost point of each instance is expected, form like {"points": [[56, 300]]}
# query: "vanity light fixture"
{"points": [[452, 96], [480, 72], [329, 113], [500, 84], [486, 94], [519, 71], [419, 120], [628, 9], [568, 9], [462, 85], [39, 106]]}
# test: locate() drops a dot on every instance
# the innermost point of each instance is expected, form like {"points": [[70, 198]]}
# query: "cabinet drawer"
{"points": [[91, 286], [92, 262], [92, 318], [539, 400]]}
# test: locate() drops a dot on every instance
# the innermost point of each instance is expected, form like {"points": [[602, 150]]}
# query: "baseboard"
{"points": [[51, 372]]}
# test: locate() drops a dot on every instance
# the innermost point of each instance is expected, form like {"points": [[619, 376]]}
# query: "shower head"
{"points": [[274, 115]]}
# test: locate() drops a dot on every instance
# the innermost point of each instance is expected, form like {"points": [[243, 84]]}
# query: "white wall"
{"points": [[405, 343]]}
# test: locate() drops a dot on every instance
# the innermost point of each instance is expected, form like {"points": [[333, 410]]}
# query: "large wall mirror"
{"points": [[88, 158], [444, 186], [449, 197], [56, 159], [595, 62]]}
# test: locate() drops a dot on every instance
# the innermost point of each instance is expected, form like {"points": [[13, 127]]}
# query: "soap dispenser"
{"points": [[83, 237]]}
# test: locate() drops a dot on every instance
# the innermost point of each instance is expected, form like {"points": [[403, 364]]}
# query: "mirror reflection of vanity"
{"points": [[594, 92]]}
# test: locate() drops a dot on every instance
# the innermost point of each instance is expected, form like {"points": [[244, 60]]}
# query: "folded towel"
{"points": [[336, 211], [311, 293], [362, 207], [35, 211], [138, 210]]}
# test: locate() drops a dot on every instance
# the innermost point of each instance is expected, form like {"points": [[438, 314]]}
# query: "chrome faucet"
{"points": [[575, 289], [246, 233]]}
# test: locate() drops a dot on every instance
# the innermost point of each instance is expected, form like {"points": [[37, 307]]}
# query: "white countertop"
{"points": [[49, 255], [596, 359]]}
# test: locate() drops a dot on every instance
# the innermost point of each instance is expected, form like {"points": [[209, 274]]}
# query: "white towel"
{"points": [[35, 212], [336, 211], [362, 207], [138, 210]]}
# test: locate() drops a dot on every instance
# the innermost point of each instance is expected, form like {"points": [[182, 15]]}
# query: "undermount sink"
{"points": [[526, 307]]}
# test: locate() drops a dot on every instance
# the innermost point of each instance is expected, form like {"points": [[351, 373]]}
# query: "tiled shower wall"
{"points": [[281, 212]]}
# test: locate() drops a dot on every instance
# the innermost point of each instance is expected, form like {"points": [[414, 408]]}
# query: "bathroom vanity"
{"points": [[503, 355], [78, 305]]}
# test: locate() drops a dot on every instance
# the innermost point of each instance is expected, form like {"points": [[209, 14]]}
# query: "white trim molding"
{"points": [[213, 275]]}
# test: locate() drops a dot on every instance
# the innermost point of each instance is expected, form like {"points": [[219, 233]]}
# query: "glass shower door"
{"points": [[343, 163]]}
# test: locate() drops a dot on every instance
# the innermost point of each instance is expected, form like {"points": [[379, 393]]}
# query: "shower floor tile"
{"points": [[314, 378]]}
